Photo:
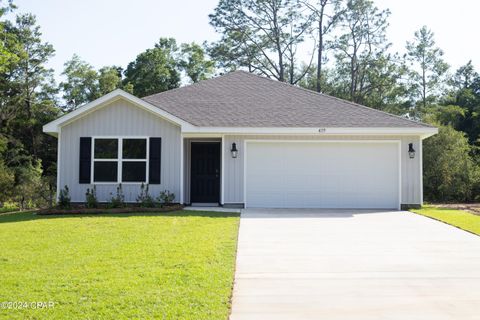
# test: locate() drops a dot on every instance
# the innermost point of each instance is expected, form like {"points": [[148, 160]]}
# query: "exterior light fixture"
{"points": [[234, 150], [411, 151]]}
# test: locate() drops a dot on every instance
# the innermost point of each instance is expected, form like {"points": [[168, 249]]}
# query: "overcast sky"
{"points": [[113, 32]]}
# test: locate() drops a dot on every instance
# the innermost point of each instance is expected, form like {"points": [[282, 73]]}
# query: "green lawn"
{"points": [[175, 265], [459, 218]]}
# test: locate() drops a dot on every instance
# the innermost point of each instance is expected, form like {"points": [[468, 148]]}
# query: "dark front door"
{"points": [[205, 172]]}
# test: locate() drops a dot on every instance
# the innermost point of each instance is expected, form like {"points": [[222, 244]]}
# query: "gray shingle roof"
{"points": [[242, 99]]}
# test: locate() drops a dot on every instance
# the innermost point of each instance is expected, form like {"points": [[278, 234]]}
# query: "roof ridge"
{"points": [[335, 98]]}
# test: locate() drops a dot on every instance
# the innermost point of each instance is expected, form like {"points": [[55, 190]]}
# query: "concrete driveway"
{"points": [[307, 264]]}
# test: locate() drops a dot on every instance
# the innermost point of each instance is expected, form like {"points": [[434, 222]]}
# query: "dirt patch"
{"points": [[470, 207]]}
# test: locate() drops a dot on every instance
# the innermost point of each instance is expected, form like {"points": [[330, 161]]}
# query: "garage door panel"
{"points": [[322, 175]]}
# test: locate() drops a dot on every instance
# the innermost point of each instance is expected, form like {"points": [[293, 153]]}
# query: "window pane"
{"points": [[106, 148], [134, 148], [134, 171], [105, 171]]}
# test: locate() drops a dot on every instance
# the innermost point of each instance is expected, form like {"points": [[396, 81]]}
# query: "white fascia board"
{"points": [[423, 132], [53, 127]]}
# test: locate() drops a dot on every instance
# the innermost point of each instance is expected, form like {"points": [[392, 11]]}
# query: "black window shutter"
{"points": [[85, 159], [155, 159]]}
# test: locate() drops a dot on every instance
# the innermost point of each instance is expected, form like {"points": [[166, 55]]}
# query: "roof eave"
{"points": [[423, 132]]}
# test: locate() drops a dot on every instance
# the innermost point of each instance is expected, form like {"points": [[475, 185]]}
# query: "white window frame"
{"points": [[119, 159]]}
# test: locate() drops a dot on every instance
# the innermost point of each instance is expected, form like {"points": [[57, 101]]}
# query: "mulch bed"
{"points": [[80, 210], [470, 207]]}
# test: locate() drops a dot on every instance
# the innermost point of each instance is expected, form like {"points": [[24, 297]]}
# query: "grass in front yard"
{"points": [[176, 265], [459, 218]]}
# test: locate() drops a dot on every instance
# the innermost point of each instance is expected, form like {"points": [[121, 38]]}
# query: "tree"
{"points": [[109, 79], [449, 173], [154, 70], [81, 85], [84, 84], [325, 24], [195, 63], [32, 82], [6, 175], [361, 43], [6, 55], [233, 52], [27, 102], [460, 106], [426, 66], [263, 33]]}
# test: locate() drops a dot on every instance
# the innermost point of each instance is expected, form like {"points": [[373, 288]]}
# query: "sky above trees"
{"points": [[113, 32]]}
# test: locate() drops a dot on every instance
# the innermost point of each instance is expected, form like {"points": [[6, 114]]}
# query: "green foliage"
{"points": [[80, 86], [449, 172], [117, 201], [363, 66], [262, 36], [27, 185], [461, 105], [27, 102], [154, 70], [144, 198], [166, 197], [9, 207], [84, 84], [195, 63], [427, 67], [7, 176], [91, 197], [64, 200], [109, 79]]}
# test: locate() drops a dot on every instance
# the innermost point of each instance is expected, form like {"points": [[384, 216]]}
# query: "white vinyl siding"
{"points": [[119, 119]]}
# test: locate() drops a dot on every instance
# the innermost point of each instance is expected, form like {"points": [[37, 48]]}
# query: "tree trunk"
{"points": [[352, 77], [50, 195], [281, 71], [320, 46], [424, 85], [320, 51]]}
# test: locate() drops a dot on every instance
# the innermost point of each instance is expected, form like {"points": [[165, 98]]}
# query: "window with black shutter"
{"points": [[155, 160], [85, 159], [119, 160]]}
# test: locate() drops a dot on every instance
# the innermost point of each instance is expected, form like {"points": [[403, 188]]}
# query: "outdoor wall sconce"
{"points": [[234, 150], [411, 151]]}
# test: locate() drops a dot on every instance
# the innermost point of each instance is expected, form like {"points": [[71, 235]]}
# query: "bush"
{"points": [[166, 197], [91, 197], [28, 185], [144, 198], [449, 172], [64, 198], [119, 200], [9, 207]]}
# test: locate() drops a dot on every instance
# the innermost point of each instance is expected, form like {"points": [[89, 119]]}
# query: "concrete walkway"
{"points": [[307, 264]]}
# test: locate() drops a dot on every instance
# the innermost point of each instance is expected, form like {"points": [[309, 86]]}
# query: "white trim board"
{"points": [[394, 141], [424, 132]]}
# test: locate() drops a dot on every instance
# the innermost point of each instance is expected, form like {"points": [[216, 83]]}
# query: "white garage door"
{"points": [[322, 175]]}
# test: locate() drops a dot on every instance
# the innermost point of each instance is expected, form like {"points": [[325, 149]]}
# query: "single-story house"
{"points": [[242, 140]]}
